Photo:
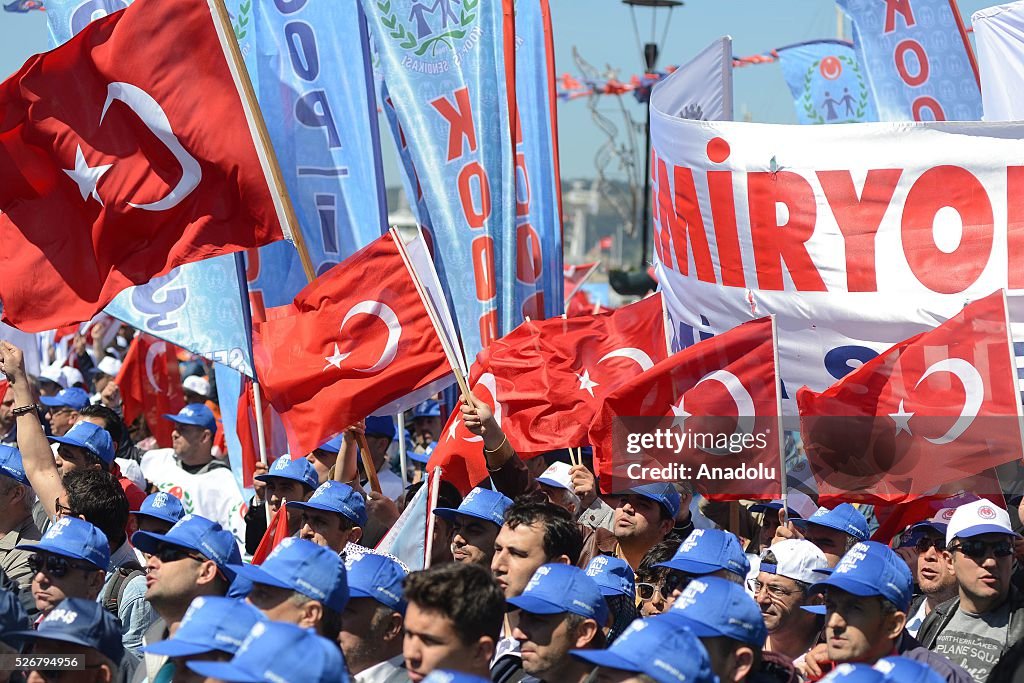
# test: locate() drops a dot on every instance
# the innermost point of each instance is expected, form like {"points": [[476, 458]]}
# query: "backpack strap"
{"points": [[114, 593]]}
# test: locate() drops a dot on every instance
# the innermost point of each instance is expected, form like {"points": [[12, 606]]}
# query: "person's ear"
{"points": [[585, 633], [666, 526], [394, 629], [106, 674], [894, 623], [355, 534], [312, 613], [484, 649], [96, 581], [743, 661], [207, 572], [561, 559]]}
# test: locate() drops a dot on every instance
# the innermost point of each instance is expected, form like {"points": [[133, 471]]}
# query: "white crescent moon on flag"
{"points": [[974, 388], [159, 347], [384, 312], [632, 353], [745, 410], [154, 118], [487, 379]]}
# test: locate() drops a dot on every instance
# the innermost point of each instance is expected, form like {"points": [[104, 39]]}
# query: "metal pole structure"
{"points": [[645, 219]]}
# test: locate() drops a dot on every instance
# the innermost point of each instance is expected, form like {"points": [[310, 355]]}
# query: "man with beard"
{"points": [[371, 624]]}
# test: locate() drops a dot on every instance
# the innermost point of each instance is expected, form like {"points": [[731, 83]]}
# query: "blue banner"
{"points": [[229, 386], [444, 67], [538, 288], [23, 6], [827, 83], [65, 18], [917, 57]]}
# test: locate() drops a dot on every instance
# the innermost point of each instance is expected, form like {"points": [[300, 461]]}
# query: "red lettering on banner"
{"points": [[460, 122], [937, 188], [894, 7], [488, 327], [522, 186], [900, 56], [1015, 226], [774, 243], [684, 222], [483, 268], [926, 102], [723, 208], [476, 213], [859, 219], [528, 257]]}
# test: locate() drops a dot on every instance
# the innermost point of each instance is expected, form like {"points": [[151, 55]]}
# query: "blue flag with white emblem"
{"points": [[827, 82]]}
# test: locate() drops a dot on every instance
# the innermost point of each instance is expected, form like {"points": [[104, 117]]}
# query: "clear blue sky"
{"points": [[603, 32]]}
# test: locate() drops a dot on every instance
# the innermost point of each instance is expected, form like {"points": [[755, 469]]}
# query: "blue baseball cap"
{"points": [[712, 607], [80, 622], [558, 588], [333, 496], [449, 676], [11, 465], [905, 670], [74, 538], [870, 568], [377, 425], [305, 567], [428, 408], [480, 503], [377, 577], [200, 534], [656, 646], [210, 623], [613, 576], [276, 651], [12, 615], [423, 457], [162, 506], [706, 551], [855, 673], [844, 517], [196, 414], [332, 446], [91, 437], [72, 397], [664, 495], [299, 469]]}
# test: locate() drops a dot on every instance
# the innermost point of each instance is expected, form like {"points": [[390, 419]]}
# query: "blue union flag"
{"points": [[827, 83]]}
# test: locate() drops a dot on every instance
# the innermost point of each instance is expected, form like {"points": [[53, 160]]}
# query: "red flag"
{"points": [[708, 414], [150, 385], [921, 417], [123, 153], [276, 532], [355, 340], [545, 381]]}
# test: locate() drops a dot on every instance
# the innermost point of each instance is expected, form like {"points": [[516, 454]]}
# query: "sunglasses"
{"points": [[55, 565], [173, 553], [977, 550], [63, 510], [669, 585], [924, 543]]}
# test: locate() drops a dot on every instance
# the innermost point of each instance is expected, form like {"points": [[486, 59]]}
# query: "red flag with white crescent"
{"points": [[355, 340], [921, 418], [150, 385]]}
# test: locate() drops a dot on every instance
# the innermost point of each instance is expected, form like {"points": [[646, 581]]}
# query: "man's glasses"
{"points": [[924, 543], [774, 590], [55, 565], [63, 510], [669, 585], [977, 550], [174, 553]]}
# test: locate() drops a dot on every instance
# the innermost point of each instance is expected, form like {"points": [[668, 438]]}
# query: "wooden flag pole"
{"points": [[778, 410], [433, 483], [403, 458], [257, 400], [371, 471], [258, 128]]}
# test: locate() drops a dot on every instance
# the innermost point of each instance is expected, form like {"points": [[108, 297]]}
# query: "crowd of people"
{"points": [[136, 561]]}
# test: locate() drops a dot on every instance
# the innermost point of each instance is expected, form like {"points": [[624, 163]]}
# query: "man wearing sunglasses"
{"points": [[786, 572], [69, 561], [932, 566], [706, 552], [975, 628], [62, 409]]}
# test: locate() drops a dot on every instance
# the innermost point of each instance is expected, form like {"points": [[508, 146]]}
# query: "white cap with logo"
{"points": [[797, 559], [976, 518], [557, 475]]}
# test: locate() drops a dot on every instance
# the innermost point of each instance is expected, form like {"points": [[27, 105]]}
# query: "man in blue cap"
{"points": [[834, 531], [380, 432], [189, 470], [707, 552], [80, 627], [923, 546], [561, 609], [275, 652], [617, 582], [334, 516], [426, 424], [69, 561], [325, 457], [371, 631], [212, 630], [644, 516], [192, 559], [655, 647], [16, 524], [475, 525], [158, 513], [62, 409], [287, 480], [301, 583], [867, 596]]}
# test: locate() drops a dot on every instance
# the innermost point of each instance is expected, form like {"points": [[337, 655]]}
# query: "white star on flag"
{"points": [[451, 430], [902, 419], [586, 384], [87, 177], [335, 359], [679, 413]]}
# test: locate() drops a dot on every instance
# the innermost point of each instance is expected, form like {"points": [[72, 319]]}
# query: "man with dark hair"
{"points": [[655, 583], [932, 567], [452, 621], [123, 448], [708, 552], [68, 562], [644, 516], [371, 625], [475, 524], [62, 409], [834, 531], [534, 533], [334, 516], [287, 480]]}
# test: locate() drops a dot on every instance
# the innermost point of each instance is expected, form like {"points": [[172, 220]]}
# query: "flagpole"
{"points": [[257, 400], [371, 471], [433, 484], [1013, 364], [403, 460], [778, 411], [258, 127], [583, 280]]}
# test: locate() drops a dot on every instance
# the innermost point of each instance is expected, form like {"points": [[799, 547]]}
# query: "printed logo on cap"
{"points": [[634, 628], [64, 616], [884, 666], [851, 560], [691, 540], [985, 512], [281, 463], [537, 575], [160, 500], [320, 491], [258, 629], [190, 613], [597, 566], [471, 496], [690, 594], [58, 528]]}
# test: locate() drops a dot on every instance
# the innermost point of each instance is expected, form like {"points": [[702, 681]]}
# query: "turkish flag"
{"points": [[355, 340], [151, 385], [545, 380], [276, 532], [707, 414], [123, 153], [920, 418]]}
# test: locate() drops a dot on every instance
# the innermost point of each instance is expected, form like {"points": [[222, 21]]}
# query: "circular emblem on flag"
{"points": [[947, 514], [986, 512], [831, 68], [433, 28]]}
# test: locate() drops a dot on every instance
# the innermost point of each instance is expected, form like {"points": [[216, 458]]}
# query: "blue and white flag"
{"points": [[407, 538], [827, 83], [918, 59], [443, 63], [65, 18]]}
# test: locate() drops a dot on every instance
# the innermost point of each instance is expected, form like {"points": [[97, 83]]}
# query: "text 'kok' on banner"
{"points": [[356, 339], [125, 152], [921, 418], [707, 416]]}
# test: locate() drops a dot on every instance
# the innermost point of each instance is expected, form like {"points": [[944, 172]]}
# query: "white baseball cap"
{"points": [[797, 559], [557, 475], [109, 366], [197, 384], [976, 518], [65, 376], [939, 521]]}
